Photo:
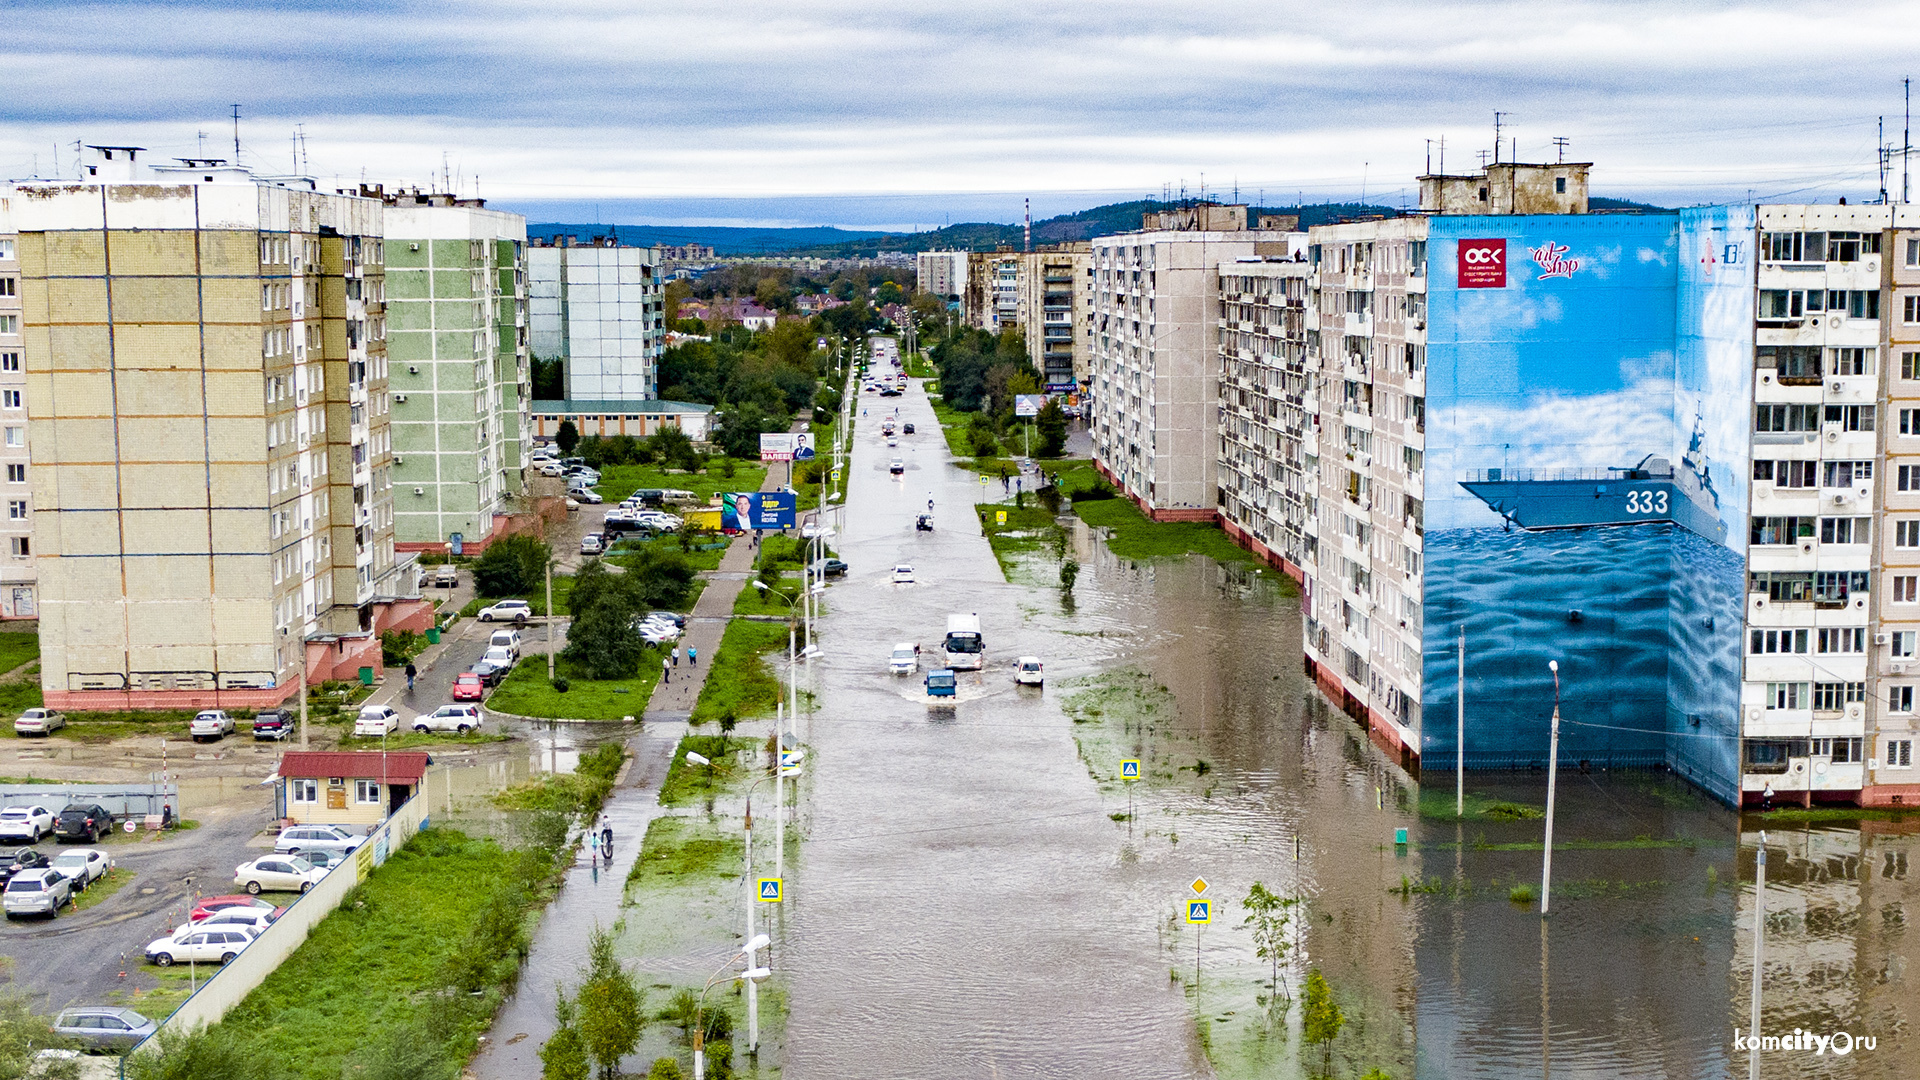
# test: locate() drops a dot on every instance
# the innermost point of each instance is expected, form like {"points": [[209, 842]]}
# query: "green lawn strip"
{"points": [[1133, 536], [1027, 529], [754, 601], [16, 697], [526, 692], [577, 792], [619, 481], [1820, 814], [101, 889], [537, 599], [1436, 804], [17, 648], [705, 553], [676, 849], [688, 783], [740, 681], [407, 739], [919, 367]]}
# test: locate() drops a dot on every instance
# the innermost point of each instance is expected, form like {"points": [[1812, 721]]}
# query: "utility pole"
{"points": [[1759, 936], [1498, 116], [236, 134], [550, 616], [1460, 735], [1553, 773]]}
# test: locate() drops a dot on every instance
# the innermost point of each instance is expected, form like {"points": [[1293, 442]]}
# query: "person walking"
{"points": [[676, 656], [593, 847], [666, 670], [411, 672], [693, 656], [606, 837]]}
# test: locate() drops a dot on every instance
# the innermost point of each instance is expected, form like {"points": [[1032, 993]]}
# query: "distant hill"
{"points": [[1601, 202], [725, 240]]}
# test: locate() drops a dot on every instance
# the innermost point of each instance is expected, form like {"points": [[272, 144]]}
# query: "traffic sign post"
{"points": [[770, 889], [1129, 772], [1199, 913]]}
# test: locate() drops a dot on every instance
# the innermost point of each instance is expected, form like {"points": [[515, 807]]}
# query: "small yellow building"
{"points": [[347, 787]]}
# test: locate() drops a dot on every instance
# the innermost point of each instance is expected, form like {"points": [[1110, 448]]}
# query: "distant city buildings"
{"points": [[1052, 294]]}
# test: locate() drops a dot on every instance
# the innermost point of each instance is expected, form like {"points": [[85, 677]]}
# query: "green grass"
{"points": [[1819, 814], [17, 648], [619, 481], [526, 692], [577, 792], [1133, 536], [98, 892], [687, 783], [676, 849], [752, 601], [1436, 804], [740, 680], [706, 554], [537, 599], [1027, 528], [18, 696], [919, 367]]}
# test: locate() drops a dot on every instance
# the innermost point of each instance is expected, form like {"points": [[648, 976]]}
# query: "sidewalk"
{"points": [[674, 700]]}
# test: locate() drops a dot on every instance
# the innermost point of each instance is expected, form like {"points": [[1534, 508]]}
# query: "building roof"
{"points": [[402, 766], [576, 408]]}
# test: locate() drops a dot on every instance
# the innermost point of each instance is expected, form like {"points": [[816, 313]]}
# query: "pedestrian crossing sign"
{"points": [[769, 890], [1199, 911], [1130, 769], [1000, 517]]}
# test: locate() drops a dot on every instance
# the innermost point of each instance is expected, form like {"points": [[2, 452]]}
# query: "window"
{"points": [[1842, 639], [22, 547], [1910, 310], [9, 324], [1793, 363], [1910, 421], [1842, 751], [1850, 361], [1900, 752], [1910, 365], [1907, 478], [16, 473], [1787, 417], [1834, 696], [1786, 695], [1843, 530], [1900, 699], [1906, 589], [1788, 474], [1851, 417], [16, 509], [1913, 253], [1844, 473], [1782, 303], [366, 791], [1762, 642], [1900, 643], [9, 361], [1780, 530], [304, 791], [10, 399], [1834, 586], [1906, 533]]}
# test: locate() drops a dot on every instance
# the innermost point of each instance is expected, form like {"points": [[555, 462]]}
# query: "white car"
{"points": [[897, 467], [38, 721], [296, 839], [893, 440], [25, 823], [277, 873], [573, 504], [507, 611], [501, 656], [459, 717], [216, 946], [82, 866], [585, 495], [37, 892], [376, 720], [903, 574], [1029, 671], [905, 659], [210, 724], [247, 918], [655, 632], [552, 469]]}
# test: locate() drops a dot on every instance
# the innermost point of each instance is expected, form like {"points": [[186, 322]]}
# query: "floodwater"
{"points": [[971, 899]]}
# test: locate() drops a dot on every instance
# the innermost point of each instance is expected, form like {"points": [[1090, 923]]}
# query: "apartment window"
{"points": [[1900, 643], [16, 509], [1906, 533], [1913, 252], [6, 249], [1910, 421], [1910, 365], [10, 399], [1851, 361], [1851, 417], [1900, 699], [1764, 642], [1845, 473], [1788, 474], [1910, 310], [1786, 695], [1792, 363], [1779, 530], [9, 361], [1900, 751], [1786, 417], [9, 324], [16, 436], [22, 547], [366, 791], [16, 472], [1906, 589], [1834, 696], [303, 790], [1842, 639], [1907, 478], [1842, 751], [1843, 530]]}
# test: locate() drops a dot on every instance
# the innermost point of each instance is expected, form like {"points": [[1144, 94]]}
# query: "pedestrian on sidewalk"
{"points": [[666, 670], [693, 656], [606, 837], [593, 847], [676, 656], [411, 672]]}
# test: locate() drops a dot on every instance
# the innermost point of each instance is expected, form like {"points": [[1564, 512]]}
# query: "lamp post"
{"points": [[1759, 936], [752, 974], [753, 897], [1553, 772]]}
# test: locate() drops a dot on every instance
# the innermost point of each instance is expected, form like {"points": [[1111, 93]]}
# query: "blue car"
{"points": [[940, 682]]}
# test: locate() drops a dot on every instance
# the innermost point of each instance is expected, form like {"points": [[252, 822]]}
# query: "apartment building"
{"points": [[1266, 447], [942, 274], [17, 577], [1152, 357], [1893, 775], [1051, 294], [208, 414], [598, 307], [990, 299], [458, 349]]}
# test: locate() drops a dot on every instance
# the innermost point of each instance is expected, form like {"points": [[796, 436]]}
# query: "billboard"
{"points": [[1028, 404], [1585, 463], [786, 446], [756, 510]]}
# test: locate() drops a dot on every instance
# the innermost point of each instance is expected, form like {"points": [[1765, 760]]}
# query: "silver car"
{"points": [[37, 892], [104, 1026], [300, 838]]}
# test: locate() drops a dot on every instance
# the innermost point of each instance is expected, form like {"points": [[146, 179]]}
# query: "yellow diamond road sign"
{"points": [[1199, 886]]}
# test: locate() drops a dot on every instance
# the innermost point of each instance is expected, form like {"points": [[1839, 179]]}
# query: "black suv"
{"points": [[86, 822], [14, 860], [271, 724]]}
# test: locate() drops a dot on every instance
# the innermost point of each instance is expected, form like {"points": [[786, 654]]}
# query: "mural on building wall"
{"points": [[1584, 483]]}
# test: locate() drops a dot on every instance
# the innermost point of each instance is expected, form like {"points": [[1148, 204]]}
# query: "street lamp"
{"points": [[1553, 772], [752, 974], [753, 897]]}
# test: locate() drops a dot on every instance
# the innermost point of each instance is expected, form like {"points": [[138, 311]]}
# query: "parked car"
{"points": [[673, 617], [1029, 671], [468, 687], [572, 505], [36, 892], [906, 429], [586, 495], [211, 905], [277, 873], [516, 611], [217, 946], [82, 866], [210, 724], [104, 1027], [298, 838], [897, 467], [489, 673], [903, 573], [446, 576], [86, 822], [506, 639], [323, 858], [593, 544], [905, 659], [27, 824], [893, 440], [552, 469], [658, 633], [16, 860], [829, 568], [39, 722], [271, 724], [460, 717], [500, 656], [376, 720], [259, 918]]}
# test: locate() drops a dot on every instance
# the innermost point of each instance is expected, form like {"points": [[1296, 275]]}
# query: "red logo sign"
{"points": [[1553, 262], [1483, 264]]}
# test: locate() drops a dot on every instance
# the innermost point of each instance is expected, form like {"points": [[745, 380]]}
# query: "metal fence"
{"points": [[121, 800]]}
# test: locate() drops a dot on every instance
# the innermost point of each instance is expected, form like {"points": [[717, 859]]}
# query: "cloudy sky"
{"points": [[907, 113]]}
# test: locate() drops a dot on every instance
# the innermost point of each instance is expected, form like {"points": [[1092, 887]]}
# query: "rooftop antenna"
{"points": [[294, 144], [1885, 154], [1429, 157], [1443, 155], [1906, 139], [203, 143], [1483, 159], [301, 131], [1498, 116], [236, 134], [1363, 184], [1560, 148]]}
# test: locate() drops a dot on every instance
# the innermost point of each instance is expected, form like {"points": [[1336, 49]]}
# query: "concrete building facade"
{"points": [[599, 308], [942, 274], [208, 411], [1893, 777], [1267, 440], [1051, 294], [990, 299], [18, 591], [458, 349]]}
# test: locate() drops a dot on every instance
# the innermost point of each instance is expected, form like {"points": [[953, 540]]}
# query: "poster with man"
{"points": [[786, 446], [740, 511]]}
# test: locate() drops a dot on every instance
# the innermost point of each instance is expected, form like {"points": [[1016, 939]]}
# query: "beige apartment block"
{"points": [[208, 413], [1893, 777], [1051, 296], [1266, 436], [17, 577]]}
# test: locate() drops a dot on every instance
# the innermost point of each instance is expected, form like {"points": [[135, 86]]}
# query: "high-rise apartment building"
{"points": [[1267, 450], [458, 352], [205, 354], [942, 274], [598, 307], [1152, 357], [1893, 776], [17, 577], [1052, 290], [990, 299]]}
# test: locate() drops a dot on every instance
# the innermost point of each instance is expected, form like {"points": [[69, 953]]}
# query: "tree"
{"points": [[564, 1057], [1052, 426], [568, 437], [610, 1006], [1322, 1019], [1268, 914], [511, 566], [660, 579], [602, 640], [23, 1035], [674, 448], [665, 1068], [549, 379], [740, 429]]}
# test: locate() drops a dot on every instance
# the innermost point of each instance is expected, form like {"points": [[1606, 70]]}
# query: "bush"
{"points": [[561, 685], [512, 566], [397, 647]]}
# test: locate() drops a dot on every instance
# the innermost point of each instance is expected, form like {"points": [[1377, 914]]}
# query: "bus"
{"points": [[964, 649]]}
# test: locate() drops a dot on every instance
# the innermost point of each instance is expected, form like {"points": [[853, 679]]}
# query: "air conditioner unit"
{"points": [[1839, 497], [1836, 386], [1806, 547], [1898, 667], [413, 369], [1882, 639]]}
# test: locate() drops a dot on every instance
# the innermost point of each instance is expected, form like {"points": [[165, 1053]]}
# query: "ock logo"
{"points": [[1483, 264]]}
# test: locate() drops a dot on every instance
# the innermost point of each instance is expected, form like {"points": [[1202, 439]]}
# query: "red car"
{"points": [[469, 687], [208, 905]]}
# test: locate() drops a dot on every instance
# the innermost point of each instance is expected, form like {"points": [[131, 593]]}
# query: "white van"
{"points": [[505, 639]]}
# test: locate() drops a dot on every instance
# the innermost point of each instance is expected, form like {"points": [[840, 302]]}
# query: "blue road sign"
{"points": [[770, 890], [1130, 769], [1199, 911]]}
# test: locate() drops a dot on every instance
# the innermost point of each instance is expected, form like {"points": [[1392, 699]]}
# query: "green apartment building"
{"points": [[461, 380]]}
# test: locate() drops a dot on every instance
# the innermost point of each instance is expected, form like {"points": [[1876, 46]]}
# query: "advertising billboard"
{"points": [[1028, 404], [786, 446], [1584, 498], [744, 510]]}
